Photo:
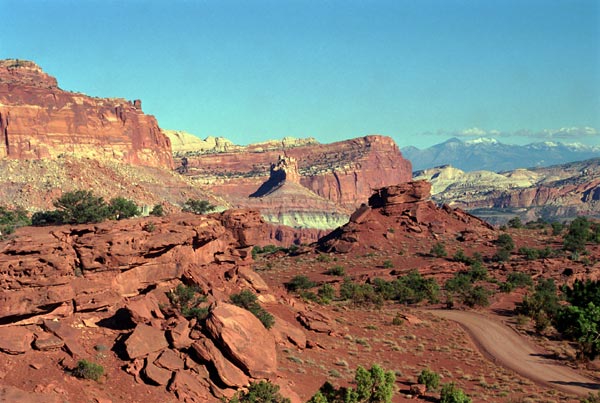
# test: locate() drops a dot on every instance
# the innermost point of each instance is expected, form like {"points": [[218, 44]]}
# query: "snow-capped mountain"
{"points": [[491, 155]]}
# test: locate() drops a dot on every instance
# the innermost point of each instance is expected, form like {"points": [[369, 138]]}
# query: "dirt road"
{"points": [[505, 346]]}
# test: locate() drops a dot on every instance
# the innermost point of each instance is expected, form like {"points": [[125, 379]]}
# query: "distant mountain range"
{"points": [[491, 155]]}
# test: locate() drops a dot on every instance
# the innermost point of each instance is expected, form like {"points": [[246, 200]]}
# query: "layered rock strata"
{"points": [[53, 279], [38, 120], [344, 172]]}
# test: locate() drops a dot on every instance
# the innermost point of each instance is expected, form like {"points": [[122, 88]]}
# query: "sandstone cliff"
{"points": [[38, 120], [552, 193], [344, 172]]}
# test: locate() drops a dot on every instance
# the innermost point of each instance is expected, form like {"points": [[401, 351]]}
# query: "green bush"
{"points": [[247, 299], [453, 394], [82, 207], [578, 234], [438, 250], [122, 208], [197, 206], [557, 228], [516, 279], [12, 219], [505, 241], [260, 392], [372, 386], [157, 211], [43, 218], [387, 264], [326, 293], [544, 298], [501, 255], [336, 271], [429, 378], [360, 294], [515, 222], [411, 288], [299, 282], [188, 299], [88, 370], [592, 398]]}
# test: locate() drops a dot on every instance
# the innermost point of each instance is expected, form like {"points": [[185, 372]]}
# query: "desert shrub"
{"points": [[460, 287], [157, 210], [88, 370], [372, 386], [515, 222], [80, 207], [260, 392], [299, 282], [477, 271], [187, 300], [122, 208], [544, 298], [360, 294], [557, 228], [452, 394], [43, 218], [149, 227], [12, 219], [459, 256], [577, 235], [387, 264], [516, 279], [336, 271], [247, 299], [429, 378], [580, 321], [505, 241], [529, 253], [501, 255], [197, 206], [326, 293], [411, 288], [323, 258], [438, 250]]}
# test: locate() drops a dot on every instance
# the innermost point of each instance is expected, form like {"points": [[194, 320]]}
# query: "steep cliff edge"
{"points": [[38, 120], [344, 172]]}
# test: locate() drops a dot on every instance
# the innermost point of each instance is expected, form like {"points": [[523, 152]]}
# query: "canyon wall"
{"points": [[344, 172], [38, 120]]}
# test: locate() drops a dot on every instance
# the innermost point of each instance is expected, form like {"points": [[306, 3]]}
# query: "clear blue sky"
{"points": [[420, 71]]}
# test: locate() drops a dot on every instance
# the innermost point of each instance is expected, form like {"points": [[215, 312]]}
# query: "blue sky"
{"points": [[420, 71]]}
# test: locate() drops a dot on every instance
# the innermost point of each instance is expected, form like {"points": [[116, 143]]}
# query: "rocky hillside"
{"points": [[552, 193], [492, 155], [344, 173], [38, 120]]}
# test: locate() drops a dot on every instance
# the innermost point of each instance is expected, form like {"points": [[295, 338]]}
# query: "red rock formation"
{"points": [[39, 120], [397, 210], [345, 172]]}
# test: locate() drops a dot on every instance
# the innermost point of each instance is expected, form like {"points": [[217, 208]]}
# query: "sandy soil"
{"points": [[505, 346]]}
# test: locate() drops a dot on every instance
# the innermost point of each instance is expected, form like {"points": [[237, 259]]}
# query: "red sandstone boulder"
{"points": [[145, 340], [15, 340], [239, 334], [227, 371]]}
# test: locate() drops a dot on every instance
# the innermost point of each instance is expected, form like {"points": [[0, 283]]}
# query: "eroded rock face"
{"points": [[38, 120], [397, 210], [240, 334], [94, 267], [342, 172]]}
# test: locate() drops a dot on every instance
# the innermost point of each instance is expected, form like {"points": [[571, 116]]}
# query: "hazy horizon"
{"points": [[419, 72]]}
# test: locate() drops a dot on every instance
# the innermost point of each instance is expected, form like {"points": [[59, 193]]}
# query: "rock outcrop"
{"points": [[52, 279], [397, 211], [552, 193], [344, 172], [38, 120]]}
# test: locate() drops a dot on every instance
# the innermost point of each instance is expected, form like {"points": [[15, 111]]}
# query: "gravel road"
{"points": [[506, 347]]}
